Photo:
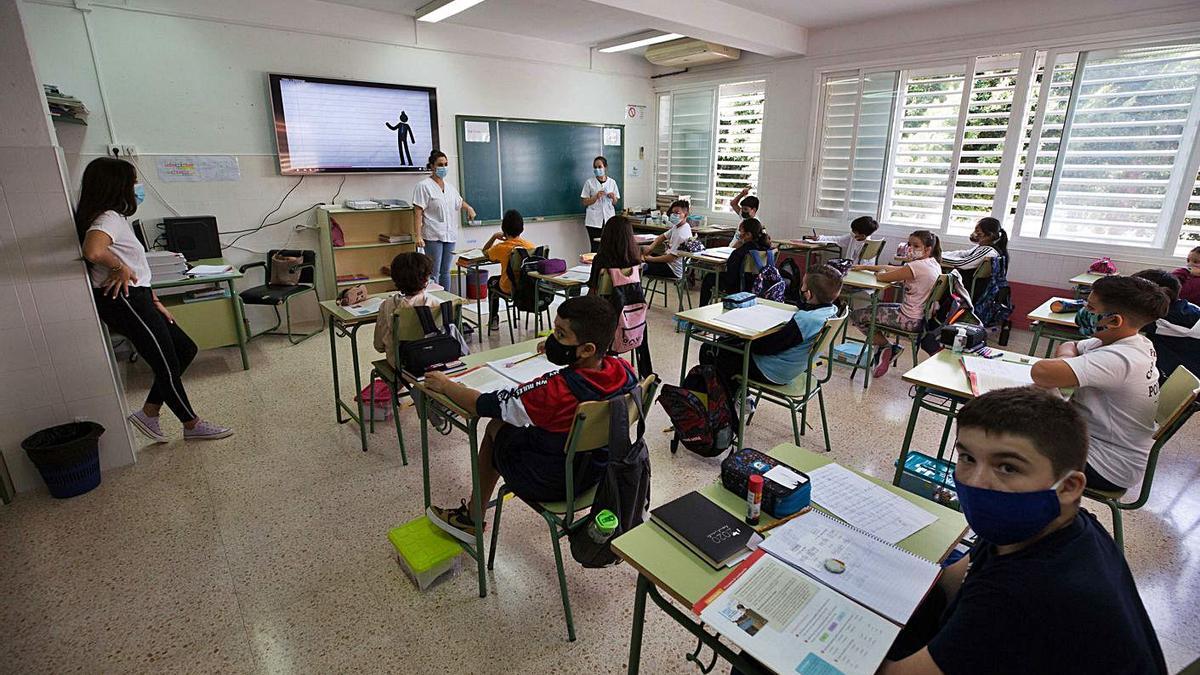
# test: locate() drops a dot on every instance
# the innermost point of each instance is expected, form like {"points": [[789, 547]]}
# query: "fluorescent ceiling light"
{"points": [[444, 9], [650, 37]]}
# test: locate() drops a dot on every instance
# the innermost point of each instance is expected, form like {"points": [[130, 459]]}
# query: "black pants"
{"points": [[593, 235], [657, 269], [1098, 482], [493, 287], [162, 345]]}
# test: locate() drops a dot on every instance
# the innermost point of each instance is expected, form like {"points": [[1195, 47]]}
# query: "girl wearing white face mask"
{"points": [[437, 206], [600, 195]]}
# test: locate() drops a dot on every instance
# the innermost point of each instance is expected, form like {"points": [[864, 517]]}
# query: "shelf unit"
{"points": [[363, 253]]}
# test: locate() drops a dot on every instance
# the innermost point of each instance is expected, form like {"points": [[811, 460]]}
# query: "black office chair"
{"points": [[273, 296]]}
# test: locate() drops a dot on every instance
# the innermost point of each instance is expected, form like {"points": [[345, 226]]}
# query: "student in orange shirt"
{"points": [[498, 249]]}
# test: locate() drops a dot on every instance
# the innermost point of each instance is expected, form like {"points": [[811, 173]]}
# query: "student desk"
{"points": [[343, 323], [1083, 283], [859, 280], [667, 565], [554, 284], [809, 248], [704, 265], [940, 375], [1054, 326], [467, 423], [707, 320], [465, 267], [218, 322]]}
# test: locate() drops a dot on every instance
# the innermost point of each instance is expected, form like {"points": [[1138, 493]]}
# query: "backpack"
{"points": [[438, 346], [995, 305], [947, 312], [1103, 266], [630, 303], [524, 285], [624, 489], [701, 412], [769, 284], [790, 271], [691, 245]]}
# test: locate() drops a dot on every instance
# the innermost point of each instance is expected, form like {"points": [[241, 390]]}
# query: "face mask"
{"points": [[599, 171], [675, 219], [1004, 518], [139, 192], [745, 213], [974, 238], [441, 171], [916, 253], [560, 354], [1089, 321]]}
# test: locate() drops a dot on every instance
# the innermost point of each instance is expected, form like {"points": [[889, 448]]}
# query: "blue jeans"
{"points": [[443, 258]]}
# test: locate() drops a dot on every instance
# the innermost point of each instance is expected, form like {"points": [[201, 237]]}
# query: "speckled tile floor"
{"points": [[266, 552]]}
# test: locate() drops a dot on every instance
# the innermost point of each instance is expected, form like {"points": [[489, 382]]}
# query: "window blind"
{"points": [[856, 119], [739, 140], [689, 139], [1189, 236]]}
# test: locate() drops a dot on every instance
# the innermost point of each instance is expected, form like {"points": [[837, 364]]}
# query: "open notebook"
{"points": [[989, 374]]}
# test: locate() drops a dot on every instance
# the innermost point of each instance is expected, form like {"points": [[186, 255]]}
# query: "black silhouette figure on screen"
{"points": [[404, 135]]}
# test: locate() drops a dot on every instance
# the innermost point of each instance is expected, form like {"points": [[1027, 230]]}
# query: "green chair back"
{"points": [[407, 327], [823, 348], [604, 286], [871, 250]]}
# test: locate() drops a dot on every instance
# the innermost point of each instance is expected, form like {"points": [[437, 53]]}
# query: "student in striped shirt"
{"points": [[990, 241]]}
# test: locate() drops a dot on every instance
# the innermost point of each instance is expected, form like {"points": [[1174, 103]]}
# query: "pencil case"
{"points": [[552, 266], [738, 300], [777, 501]]}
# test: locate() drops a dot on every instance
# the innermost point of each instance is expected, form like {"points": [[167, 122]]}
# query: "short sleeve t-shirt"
{"points": [[675, 238], [599, 212], [125, 245], [1118, 398], [789, 364], [1065, 604], [916, 291], [441, 207], [851, 247], [500, 252]]}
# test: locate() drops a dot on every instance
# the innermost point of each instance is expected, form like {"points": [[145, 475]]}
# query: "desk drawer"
{"points": [[210, 323]]}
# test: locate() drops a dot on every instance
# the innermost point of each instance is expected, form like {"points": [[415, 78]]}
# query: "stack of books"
{"points": [[395, 238], [353, 276], [206, 293], [64, 107], [166, 265]]}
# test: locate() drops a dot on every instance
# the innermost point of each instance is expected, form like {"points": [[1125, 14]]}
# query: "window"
{"points": [[1064, 145], [709, 142]]}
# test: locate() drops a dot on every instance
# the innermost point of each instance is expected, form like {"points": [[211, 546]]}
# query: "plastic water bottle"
{"points": [[603, 526]]}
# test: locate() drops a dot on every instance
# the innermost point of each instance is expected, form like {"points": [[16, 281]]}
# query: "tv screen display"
{"points": [[341, 126]]}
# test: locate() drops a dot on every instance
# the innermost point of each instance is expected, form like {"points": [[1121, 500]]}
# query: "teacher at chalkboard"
{"points": [[436, 205], [600, 195]]}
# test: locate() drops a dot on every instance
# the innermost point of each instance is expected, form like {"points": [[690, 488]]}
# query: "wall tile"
{"points": [[51, 258], [84, 378], [38, 214], [22, 388], [10, 307], [108, 413], [72, 340], [30, 170], [16, 348], [18, 425]]}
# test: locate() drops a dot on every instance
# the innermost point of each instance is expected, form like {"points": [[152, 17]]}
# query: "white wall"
{"points": [[54, 364], [946, 33], [190, 78]]}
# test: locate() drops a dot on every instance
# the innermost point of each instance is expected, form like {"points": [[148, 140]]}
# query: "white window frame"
{"points": [[1179, 187]]}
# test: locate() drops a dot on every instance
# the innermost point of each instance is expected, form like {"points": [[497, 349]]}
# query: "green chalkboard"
{"points": [[537, 167]]}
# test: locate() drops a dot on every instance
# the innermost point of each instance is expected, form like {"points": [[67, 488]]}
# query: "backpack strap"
{"points": [[425, 316], [447, 316]]}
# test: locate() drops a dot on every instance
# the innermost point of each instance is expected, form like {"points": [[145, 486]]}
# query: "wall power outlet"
{"points": [[122, 150]]}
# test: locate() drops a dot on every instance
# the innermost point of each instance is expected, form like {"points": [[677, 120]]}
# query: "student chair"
{"points": [[940, 289], [796, 395], [871, 250], [274, 296], [656, 285], [589, 432], [1176, 404], [512, 312], [983, 274], [405, 327]]}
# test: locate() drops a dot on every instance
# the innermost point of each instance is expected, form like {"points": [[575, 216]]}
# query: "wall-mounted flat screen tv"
{"points": [[341, 126]]}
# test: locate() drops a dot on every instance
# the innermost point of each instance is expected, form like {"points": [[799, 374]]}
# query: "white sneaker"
{"points": [[148, 426], [206, 431]]}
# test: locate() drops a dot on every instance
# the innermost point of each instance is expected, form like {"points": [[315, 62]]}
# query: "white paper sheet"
{"points": [[484, 379], [722, 252], [477, 132], [758, 318], [990, 374], [573, 275], [366, 307], [209, 270], [586, 269], [865, 505], [523, 370], [470, 254]]}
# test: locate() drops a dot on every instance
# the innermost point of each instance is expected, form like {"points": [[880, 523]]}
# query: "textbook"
{"points": [[708, 530]]}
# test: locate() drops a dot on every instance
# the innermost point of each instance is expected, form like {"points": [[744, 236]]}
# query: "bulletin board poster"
{"points": [[197, 168]]}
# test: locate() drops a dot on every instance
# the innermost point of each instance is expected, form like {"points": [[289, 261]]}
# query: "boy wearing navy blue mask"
{"points": [[1115, 377], [525, 441], [1045, 589]]}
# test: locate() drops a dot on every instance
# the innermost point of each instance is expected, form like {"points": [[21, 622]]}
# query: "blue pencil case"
{"points": [[739, 300], [778, 501]]}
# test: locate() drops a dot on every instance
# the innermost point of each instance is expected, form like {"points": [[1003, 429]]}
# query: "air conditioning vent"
{"points": [[689, 52]]}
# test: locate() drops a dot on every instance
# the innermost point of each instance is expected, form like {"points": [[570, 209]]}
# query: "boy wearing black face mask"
{"points": [[1115, 377], [525, 440], [1045, 590]]}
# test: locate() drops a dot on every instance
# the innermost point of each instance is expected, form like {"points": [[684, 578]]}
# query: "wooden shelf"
{"points": [[378, 244]]}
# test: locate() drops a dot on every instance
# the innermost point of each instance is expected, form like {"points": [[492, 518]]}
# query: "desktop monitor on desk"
{"points": [[193, 236]]}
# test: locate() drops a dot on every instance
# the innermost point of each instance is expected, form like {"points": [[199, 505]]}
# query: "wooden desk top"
{"points": [[472, 360], [708, 317], [863, 279], [802, 245], [943, 372], [1044, 315], [556, 279], [343, 316], [1086, 279], [192, 281]]}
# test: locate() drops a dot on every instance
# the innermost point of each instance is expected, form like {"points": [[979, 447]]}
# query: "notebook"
{"points": [[989, 374], [865, 505], [757, 318], [523, 367], [708, 530], [874, 573]]}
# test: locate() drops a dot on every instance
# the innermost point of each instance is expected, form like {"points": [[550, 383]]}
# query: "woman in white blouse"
{"points": [[600, 195], [437, 204]]}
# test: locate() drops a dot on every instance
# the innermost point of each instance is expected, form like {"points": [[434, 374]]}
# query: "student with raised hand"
{"points": [[751, 236], [436, 207], [1045, 589], [600, 195], [1114, 376], [498, 249], [744, 204], [861, 229], [668, 264], [120, 276], [919, 276]]}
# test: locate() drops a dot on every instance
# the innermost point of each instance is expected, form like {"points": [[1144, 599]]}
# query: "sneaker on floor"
{"points": [[885, 357], [493, 324], [148, 426], [206, 431], [454, 522]]}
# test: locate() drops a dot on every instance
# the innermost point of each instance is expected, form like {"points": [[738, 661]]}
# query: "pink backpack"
{"points": [[1103, 266], [629, 301]]}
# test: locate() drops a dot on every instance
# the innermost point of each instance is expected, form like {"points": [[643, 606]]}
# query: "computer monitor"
{"points": [[193, 236]]}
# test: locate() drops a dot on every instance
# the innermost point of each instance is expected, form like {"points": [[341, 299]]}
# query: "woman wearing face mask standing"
{"points": [[121, 280], [437, 204], [600, 195]]}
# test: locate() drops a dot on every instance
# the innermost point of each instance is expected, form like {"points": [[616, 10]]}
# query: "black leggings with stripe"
{"points": [[164, 346]]}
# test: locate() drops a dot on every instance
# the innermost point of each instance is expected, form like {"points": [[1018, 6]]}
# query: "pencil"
{"points": [[513, 363]]}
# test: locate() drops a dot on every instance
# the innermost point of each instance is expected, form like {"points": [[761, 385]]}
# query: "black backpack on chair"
{"points": [[523, 284], [437, 347]]}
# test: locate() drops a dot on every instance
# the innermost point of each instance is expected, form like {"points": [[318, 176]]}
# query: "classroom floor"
{"points": [[267, 552]]}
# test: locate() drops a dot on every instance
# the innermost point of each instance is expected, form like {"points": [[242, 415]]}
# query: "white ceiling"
{"points": [[588, 22]]}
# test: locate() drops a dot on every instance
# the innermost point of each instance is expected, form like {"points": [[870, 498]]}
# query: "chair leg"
{"points": [[795, 424], [496, 526], [824, 421], [1118, 527], [395, 386], [803, 417], [562, 578], [287, 310], [371, 402], [913, 349]]}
